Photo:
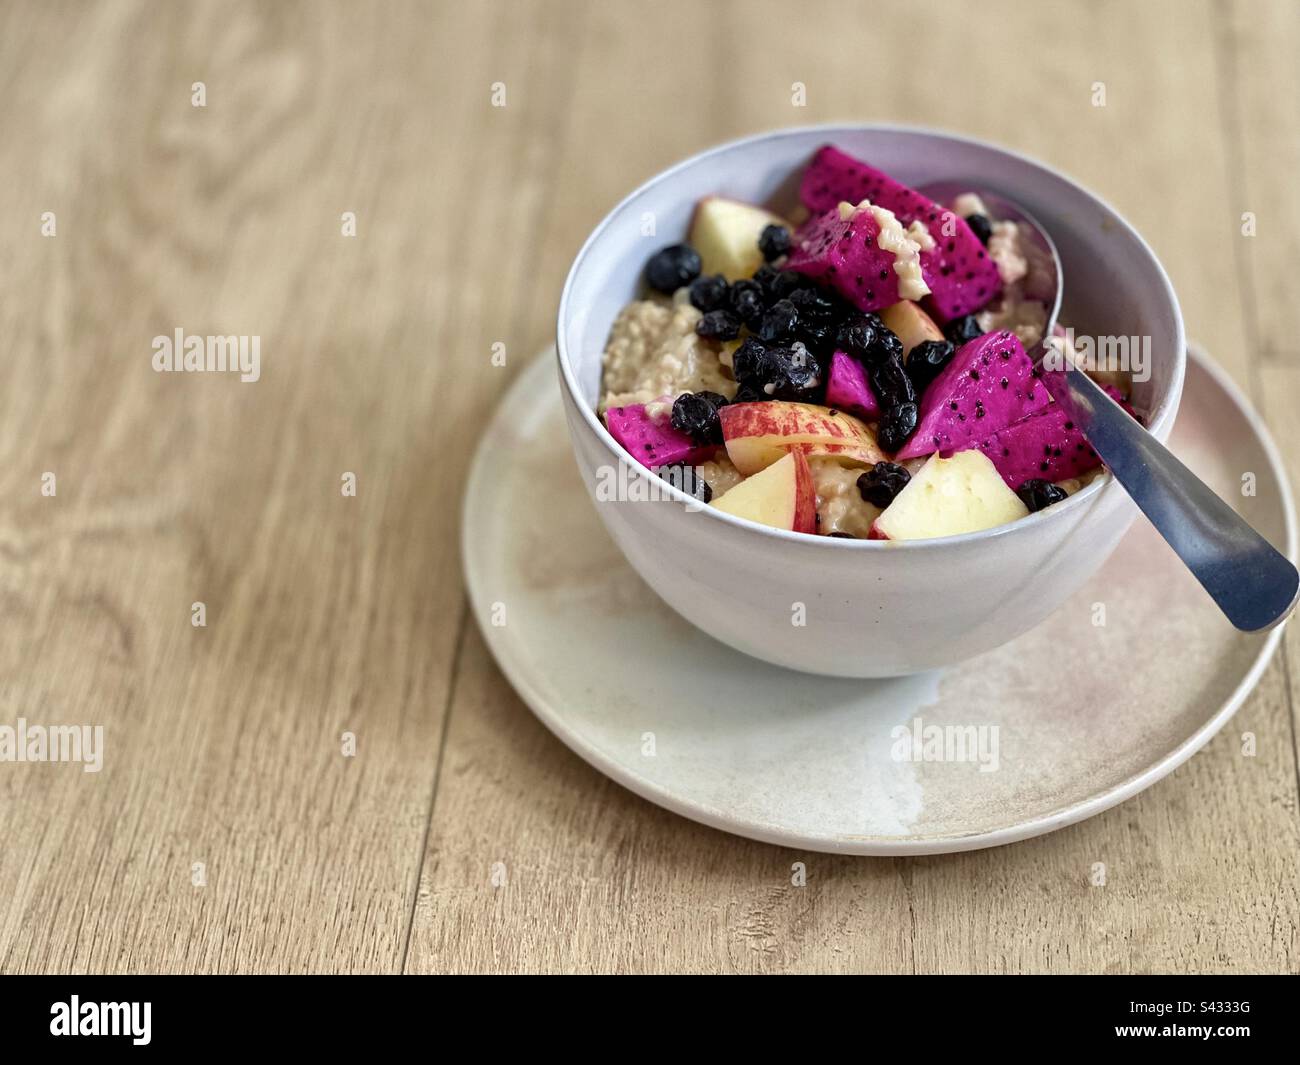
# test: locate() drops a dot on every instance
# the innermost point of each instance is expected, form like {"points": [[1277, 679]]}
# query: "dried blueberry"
{"points": [[884, 365], [709, 293], [785, 282], [818, 335], [749, 361], [813, 304], [857, 334], [747, 301], [672, 267], [774, 242], [897, 424], [718, 325], [765, 275], [799, 366], [882, 482], [926, 360], [775, 371], [778, 321], [796, 374], [980, 226], [885, 346], [1037, 494], [698, 418], [687, 479], [962, 329]]}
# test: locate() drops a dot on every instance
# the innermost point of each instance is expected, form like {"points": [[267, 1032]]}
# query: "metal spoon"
{"points": [[1250, 581]]}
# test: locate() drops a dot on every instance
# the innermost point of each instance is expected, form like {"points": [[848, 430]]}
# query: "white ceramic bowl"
{"points": [[861, 608]]}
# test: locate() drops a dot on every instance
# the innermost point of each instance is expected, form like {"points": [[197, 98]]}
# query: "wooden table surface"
{"points": [[328, 613]]}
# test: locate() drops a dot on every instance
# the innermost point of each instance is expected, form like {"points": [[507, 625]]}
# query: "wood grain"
{"points": [[329, 614], [1261, 94], [325, 613], [1262, 115]]}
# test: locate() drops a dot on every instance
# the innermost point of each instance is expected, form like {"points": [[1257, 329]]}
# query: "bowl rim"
{"points": [[1160, 420]]}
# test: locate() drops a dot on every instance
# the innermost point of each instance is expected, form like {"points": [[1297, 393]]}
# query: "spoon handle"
{"points": [[1253, 584]]}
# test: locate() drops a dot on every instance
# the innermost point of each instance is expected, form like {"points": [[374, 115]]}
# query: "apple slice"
{"points": [[844, 454], [758, 434], [781, 496], [726, 232], [912, 324], [945, 497]]}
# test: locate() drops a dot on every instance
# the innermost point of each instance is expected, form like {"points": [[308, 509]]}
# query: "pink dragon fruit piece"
{"points": [[961, 276], [1115, 393], [834, 177], [847, 388], [653, 442], [843, 254], [989, 384], [1047, 444]]}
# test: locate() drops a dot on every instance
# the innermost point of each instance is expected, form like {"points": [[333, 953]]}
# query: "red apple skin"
{"points": [[780, 419], [814, 451], [875, 534], [805, 496], [760, 419]]}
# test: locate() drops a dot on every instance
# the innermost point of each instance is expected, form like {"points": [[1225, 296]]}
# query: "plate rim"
{"points": [[874, 846]]}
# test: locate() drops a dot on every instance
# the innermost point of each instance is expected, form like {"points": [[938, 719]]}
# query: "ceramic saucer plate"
{"points": [[1117, 688]]}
